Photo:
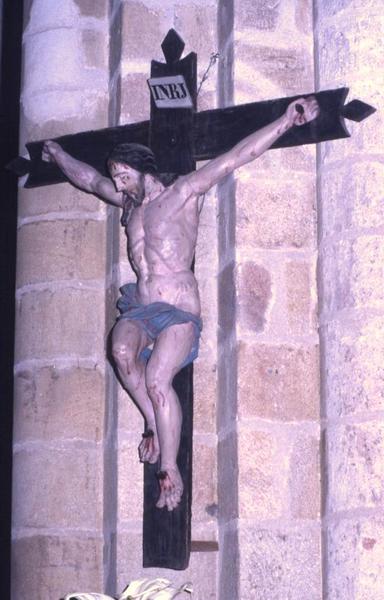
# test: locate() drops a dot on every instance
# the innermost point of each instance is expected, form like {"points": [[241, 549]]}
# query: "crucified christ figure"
{"points": [[157, 332]]}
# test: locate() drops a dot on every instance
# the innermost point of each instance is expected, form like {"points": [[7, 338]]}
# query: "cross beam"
{"points": [[213, 132]]}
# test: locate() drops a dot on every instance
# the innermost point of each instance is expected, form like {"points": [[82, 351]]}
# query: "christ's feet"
{"points": [[149, 450], [171, 488]]}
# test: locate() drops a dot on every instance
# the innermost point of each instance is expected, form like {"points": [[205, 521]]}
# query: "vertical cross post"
{"points": [[167, 535]]}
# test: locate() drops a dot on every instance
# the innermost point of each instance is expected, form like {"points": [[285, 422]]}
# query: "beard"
{"points": [[138, 196]]}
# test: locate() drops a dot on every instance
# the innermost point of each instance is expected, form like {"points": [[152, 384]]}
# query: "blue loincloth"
{"points": [[156, 317]]}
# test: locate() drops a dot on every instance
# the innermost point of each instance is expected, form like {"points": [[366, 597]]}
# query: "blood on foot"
{"points": [[171, 489], [149, 447]]}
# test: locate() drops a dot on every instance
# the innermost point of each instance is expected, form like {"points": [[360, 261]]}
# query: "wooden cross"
{"points": [[179, 137]]}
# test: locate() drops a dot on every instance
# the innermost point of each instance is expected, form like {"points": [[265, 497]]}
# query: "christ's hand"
{"points": [[302, 110], [49, 151]]}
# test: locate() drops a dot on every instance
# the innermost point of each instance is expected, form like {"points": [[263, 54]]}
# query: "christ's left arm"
{"points": [[252, 146]]}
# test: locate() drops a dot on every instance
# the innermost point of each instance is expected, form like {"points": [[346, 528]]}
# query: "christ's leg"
{"points": [[170, 351], [128, 340]]}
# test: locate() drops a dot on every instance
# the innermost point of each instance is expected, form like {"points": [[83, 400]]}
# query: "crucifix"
{"points": [[126, 166]]}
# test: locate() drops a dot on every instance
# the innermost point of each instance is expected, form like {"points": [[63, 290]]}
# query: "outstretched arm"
{"points": [[82, 175], [252, 146]]}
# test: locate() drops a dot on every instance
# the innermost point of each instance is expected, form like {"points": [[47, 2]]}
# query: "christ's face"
{"points": [[127, 180]]}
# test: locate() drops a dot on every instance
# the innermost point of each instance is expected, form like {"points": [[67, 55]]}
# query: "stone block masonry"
{"points": [[60, 423], [348, 38], [293, 518], [268, 328]]}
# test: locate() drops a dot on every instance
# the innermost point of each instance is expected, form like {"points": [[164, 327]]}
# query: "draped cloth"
{"points": [[156, 317]]}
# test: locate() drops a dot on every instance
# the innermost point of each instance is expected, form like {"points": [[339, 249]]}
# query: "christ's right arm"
{"points": [[82, 175]]}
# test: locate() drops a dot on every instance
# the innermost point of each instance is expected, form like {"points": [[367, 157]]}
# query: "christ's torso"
{"points": [[161, 241]]}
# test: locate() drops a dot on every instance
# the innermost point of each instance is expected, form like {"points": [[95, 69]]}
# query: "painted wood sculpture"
{"points": [[161, 221]]}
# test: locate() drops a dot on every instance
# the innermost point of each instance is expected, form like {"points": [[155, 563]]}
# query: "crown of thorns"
{"points": [[137, 156]]}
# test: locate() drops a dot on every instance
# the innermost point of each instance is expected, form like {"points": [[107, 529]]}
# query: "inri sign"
{"points": [[170, 92]]}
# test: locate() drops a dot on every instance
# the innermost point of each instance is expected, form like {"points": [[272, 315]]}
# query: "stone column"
{"points": [[60, 416], [351, 176], [143, 26], [269, 492]]}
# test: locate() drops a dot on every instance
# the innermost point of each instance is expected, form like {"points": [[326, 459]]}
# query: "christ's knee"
{"points": [[124, 357]]}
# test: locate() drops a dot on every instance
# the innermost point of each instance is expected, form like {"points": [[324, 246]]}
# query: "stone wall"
{"points": [[60, 434], [349, 53], [268, 360], [77, 514]]}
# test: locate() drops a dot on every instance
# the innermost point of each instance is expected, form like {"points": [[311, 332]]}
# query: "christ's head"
{"points": [[127, 180], [128, 164]]}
